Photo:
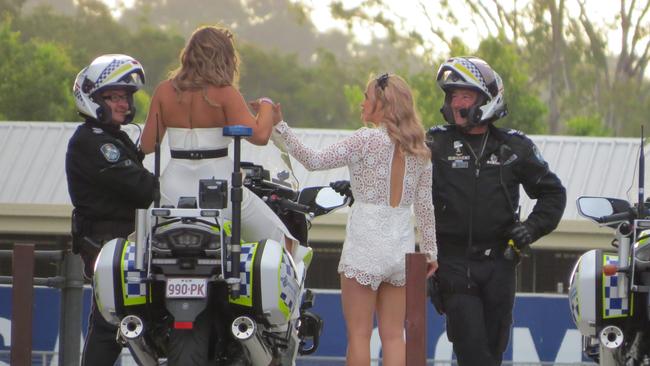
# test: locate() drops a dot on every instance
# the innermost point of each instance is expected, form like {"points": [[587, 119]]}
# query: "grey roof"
{"points": [[32, 156]]}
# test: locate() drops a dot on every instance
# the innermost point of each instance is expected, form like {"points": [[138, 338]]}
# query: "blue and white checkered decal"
{"points": [[245, 269], [133, 279], [288, 287], [613, 306]]}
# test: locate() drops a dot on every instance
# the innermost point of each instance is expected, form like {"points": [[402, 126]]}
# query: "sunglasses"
{"points": [[382, 80]]}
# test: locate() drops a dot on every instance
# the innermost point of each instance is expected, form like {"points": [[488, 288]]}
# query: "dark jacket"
{"points": [[106, 178], [469, 196]]}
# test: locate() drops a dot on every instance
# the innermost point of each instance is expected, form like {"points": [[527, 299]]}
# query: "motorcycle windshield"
{"points": [[275, 159]]}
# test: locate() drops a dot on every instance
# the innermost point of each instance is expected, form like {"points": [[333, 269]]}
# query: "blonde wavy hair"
{"points": [[208, 58], [400, 115]]}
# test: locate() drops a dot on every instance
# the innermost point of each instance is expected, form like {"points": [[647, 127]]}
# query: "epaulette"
{"points": [[514, 132], [439, 128]]}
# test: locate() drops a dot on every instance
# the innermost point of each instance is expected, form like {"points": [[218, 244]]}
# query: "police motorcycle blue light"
{"points": [[241, 131]]}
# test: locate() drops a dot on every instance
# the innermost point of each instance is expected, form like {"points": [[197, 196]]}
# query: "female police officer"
{"points": [[106, 179]]}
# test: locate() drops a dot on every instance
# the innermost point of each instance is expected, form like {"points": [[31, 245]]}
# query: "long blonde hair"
{"points": [[208, 58], [400, 116]]}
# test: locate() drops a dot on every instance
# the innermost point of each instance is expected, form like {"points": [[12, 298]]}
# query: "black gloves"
{"points": [[342, 187], [521, 234]]}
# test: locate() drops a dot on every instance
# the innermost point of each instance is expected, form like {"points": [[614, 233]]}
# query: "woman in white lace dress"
{"points": [[192, 107], [390, 173]]}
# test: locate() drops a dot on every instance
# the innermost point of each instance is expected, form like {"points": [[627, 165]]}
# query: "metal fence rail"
{"points": [[69, 281]]}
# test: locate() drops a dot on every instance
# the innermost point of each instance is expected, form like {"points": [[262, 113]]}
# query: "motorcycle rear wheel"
{"points": [[190, 346]]}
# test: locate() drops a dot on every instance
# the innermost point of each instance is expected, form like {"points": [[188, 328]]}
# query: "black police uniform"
{"points": [[107, 183], [475, 195]]}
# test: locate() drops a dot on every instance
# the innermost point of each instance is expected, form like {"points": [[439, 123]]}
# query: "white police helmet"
{"points": [[112, 71], [473, 73]]}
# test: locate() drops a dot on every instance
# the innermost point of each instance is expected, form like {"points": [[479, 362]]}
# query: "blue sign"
{"points": [[543, 330]]}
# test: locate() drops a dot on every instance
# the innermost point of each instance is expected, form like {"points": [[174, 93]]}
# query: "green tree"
{"points": [[35, 80], [11, 7], [93, 32], [310, 96], [587, 126], [526, 110]]}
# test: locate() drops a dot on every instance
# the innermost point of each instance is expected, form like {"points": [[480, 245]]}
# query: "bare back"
{"points": [[203, 108], [193, 108], [397, 171]]}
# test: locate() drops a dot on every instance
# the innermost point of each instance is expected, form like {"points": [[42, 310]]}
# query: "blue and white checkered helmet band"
{"points": [[109, 70], [461, 72], [474, 70]]}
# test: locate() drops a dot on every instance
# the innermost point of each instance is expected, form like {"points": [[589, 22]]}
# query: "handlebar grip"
{"points": [[622, 216], [294, 206], [280, 189]]}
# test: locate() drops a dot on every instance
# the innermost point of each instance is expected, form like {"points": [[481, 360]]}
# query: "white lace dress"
{"points": [[378, 236], [181, 178]]}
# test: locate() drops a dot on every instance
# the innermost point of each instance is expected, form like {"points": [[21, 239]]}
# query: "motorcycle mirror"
{"points": [[597, 207], [321, 199], [329, 199]]}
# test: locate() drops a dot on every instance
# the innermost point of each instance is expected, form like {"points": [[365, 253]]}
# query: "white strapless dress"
{"points": [[181, 178]]}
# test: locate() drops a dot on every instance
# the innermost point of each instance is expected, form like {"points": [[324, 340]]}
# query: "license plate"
{"points": [[186, 287]]}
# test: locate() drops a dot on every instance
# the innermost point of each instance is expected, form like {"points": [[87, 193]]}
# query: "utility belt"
{"points": [[90, 234], [199, 154], [475, 252]]}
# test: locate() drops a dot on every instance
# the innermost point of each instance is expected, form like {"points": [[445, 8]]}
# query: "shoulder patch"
{"points": [[110, 152]]}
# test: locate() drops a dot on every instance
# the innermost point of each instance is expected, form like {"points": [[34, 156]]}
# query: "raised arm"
{"points": [[424, 215], [336, 155], [237, 113]]}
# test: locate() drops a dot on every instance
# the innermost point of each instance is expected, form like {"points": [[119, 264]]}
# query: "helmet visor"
{"points": [[450, 79], [133, 79]]}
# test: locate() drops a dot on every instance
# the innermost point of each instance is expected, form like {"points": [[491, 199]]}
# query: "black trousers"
{"points": [[100, 347], [478, 297]]}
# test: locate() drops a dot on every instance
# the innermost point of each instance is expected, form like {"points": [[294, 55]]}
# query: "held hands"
{"points": [[277, 109]]}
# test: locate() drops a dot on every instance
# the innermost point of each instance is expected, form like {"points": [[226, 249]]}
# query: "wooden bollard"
{"points": [[22, 300], [416, 315]]}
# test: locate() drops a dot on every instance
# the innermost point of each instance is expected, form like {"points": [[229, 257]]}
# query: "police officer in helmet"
{"points": [[106, 179], [477, 171]]}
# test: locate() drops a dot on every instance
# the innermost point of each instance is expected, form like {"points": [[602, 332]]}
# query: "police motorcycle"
{"points": [[609, 292], [188, 291]]}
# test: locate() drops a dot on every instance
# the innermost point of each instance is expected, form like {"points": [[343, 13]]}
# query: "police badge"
{"points": [[110, 152]]}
